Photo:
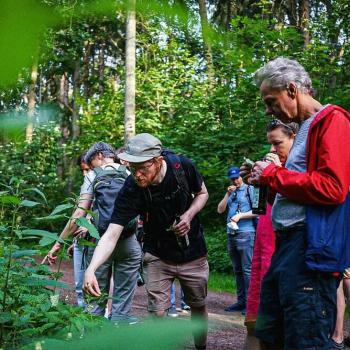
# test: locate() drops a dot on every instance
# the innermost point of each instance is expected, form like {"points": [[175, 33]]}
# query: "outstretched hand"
{"points": [[90, 284], [51, 257]]}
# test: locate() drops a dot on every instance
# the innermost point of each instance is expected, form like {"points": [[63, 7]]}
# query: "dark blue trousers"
{"points": [[298, 306]]}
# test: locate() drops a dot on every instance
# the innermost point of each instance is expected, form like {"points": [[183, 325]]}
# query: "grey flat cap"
{"points": [[140, 148]]}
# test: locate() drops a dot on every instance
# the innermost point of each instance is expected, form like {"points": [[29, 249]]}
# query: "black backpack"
{"points": [[106, 186]]}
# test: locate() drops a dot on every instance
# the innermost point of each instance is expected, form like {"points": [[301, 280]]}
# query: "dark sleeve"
{"points": [[127, 203], [194, 178]]}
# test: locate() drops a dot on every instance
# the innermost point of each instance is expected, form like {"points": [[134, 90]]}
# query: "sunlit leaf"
{"points": [[22, 253], [33, 281], [46, 241], [28, 203], [149, 335], [22, 25], [36, 190], [10, 200], [51, 218], [41, 233], [91, 228], [60, 208]]}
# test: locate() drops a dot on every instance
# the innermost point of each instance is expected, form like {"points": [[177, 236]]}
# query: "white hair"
{"points": [[278, 73]]}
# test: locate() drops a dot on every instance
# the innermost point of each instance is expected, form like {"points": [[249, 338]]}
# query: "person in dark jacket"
{"points": [[298, 306], [173, 241]]}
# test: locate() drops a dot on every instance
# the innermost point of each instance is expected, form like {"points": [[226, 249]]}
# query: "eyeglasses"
{"points": [[143, 170], [275, 123]]}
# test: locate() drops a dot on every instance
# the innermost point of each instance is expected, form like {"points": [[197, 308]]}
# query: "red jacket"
{"points": [[327, 178]]}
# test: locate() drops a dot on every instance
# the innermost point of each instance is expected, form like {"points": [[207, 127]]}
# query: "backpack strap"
{"points": [[249, 198], [178, 171], [180, 176], [251, 205]]}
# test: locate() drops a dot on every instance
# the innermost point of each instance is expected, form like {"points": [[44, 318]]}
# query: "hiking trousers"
{"points": [[123, 266], [297, 306]]}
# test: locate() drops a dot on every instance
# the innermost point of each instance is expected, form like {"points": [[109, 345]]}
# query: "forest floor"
{"points": [[226, 329]]}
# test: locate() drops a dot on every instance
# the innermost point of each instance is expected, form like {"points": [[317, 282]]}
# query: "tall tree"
{"points": [[304, 18], [130, 65], [206, 42], [31, 101]]}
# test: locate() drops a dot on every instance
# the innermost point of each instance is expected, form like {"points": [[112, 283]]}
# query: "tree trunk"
{"points": [[101, 68], [333, 38], [75, 108], [229, 14], [277, 11], [86, 69], [304, 18], [130, 64], [292, 12], [31, 102], [207, 46]]}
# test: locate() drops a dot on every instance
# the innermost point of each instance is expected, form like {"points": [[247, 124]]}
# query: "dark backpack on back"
{"points": [[106, 186]]}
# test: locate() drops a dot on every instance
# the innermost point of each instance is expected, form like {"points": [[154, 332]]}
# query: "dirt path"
{"points": [[226, 330]]}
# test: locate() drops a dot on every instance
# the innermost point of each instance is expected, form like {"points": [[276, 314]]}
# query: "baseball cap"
{"points": [[140, 148], [233, 173]]}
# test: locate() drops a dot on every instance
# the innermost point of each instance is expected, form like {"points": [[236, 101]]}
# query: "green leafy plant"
{"points": [[28, 298]]}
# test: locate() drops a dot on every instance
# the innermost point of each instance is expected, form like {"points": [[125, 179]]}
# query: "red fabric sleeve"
{"points": [[328, 183], [264, 248]]}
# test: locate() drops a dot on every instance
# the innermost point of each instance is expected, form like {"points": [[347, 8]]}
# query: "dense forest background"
{"points": [[63, 82]]}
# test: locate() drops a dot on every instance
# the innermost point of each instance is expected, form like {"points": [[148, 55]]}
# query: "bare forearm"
{"points": [[199, 202], [248, 215], [84, 204], [71, 226], [105, 246], [223, 204]]}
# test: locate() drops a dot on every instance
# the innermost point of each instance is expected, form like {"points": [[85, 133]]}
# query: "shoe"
{"points": [[172, 312], [243, 312], [333, 345], [235, 307], [185, 308]]}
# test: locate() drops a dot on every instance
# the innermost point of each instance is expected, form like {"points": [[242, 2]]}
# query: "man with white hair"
{"points": [[298, 296]]}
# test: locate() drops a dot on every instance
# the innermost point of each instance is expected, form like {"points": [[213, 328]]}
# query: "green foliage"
{"points": [[79, 47], [222, 282], [151, 335], [38, 164], [22, 26], [218, 257], [29, 307]]}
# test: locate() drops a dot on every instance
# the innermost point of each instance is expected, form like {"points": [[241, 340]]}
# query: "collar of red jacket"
{"points": [[326, 111]]}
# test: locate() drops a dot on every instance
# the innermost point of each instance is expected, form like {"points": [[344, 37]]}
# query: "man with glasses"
{"points": [[168, 191]]}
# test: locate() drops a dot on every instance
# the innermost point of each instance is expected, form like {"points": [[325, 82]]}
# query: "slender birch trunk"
{"points": [[207, 46], [31, 102], [130, 65]]}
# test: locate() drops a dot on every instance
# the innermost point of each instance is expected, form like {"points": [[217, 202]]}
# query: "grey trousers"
{"points": [[123, 265]]}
